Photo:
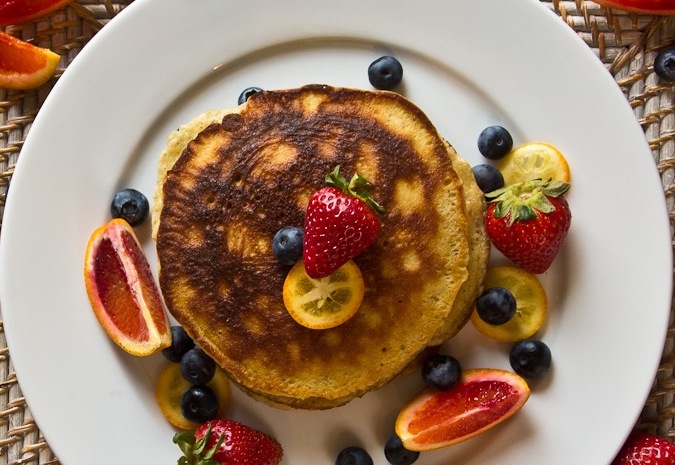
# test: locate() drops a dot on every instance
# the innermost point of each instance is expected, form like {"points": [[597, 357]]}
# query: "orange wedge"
{"points": [[24, 66], [123, 292], [482, 399], [18, 11], [650, 7]]}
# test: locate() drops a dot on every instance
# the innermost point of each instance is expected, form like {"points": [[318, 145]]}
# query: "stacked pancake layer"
{"points": [[230, 179]]}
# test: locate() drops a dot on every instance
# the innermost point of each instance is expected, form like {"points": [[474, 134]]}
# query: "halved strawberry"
{"points": [[342, 220], [529, 221]]}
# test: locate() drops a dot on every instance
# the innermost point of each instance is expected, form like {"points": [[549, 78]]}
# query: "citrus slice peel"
{"points": [[531, 304], [481, 400], [122, 290], [23, 65], [323, 303], [169, 390], [534, 160], [19, 11]]}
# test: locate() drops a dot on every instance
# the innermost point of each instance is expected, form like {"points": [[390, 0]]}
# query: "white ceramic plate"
{"points": [[468, 64]]}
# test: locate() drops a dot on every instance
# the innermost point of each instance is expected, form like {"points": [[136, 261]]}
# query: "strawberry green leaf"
{"points": [[521, 201], [335, 179], [358, 187], [193, 449]]}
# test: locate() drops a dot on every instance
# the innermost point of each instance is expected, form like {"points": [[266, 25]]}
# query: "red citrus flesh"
{"points": [[123, 292], [18, 11], [23, 65], [653, 7], [482, 399]]}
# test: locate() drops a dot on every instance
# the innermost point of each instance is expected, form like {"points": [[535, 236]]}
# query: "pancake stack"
{"points": [[229, 180]]}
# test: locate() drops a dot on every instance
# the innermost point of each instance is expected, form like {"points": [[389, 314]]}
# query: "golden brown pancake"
{"points": [[479, 252], [243, 178]]}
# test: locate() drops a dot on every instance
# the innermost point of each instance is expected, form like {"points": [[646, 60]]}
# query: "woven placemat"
{"points": [[625, 43]]}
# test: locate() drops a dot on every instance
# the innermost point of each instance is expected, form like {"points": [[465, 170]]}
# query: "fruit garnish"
{"points": [[529, 221], [246, 93], [342, 220], [494, 142], [397, 454], [123, 292], [441, 371], [227, 442], [385, 73], [531, 304], [199, 403], [664, 64], [287, 245], [353, 455], [130, 205], [496, 305], [23, 65], [181, 342], [534, 160], [325, 302], [482, 399], [18, 11], [487, 177], [530, 358], [652, 7], [643, 448], [197, 367], [171, 386]]}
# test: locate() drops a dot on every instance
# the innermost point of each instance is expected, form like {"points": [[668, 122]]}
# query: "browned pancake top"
{"points": [[239, 182]]}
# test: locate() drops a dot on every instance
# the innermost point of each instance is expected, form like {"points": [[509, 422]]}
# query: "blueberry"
{"points": [[530, 358], [287, 245], [353, 456], [496, 305], [664, 64], [396, 454], [180, 344], [494, 142], [197, 367], [246, 93], [488, 177], [130, 205], [199, 404], [441, 371], [385, 73]]}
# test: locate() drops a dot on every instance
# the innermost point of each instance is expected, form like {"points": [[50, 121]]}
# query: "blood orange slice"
{"points": [[123, 292], [23, 65], [482, 399], [18, 11]]}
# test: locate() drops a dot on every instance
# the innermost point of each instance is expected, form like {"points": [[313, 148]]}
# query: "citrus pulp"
{"points": [[482, 399], [18, 11], [123, 292], [23, 65], [324, 302], [534, 160], [531, 304]]}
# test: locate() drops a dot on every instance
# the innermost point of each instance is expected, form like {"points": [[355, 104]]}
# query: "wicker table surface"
{"points": [[625, 43]]}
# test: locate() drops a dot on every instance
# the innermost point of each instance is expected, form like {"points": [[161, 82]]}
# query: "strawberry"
{"points": [[342, 220], [528, 222], [227, 442], [642, 448]]}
